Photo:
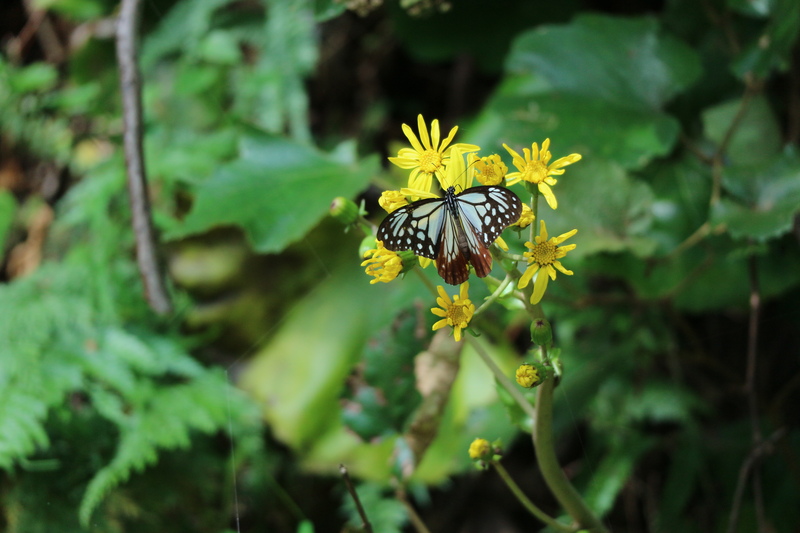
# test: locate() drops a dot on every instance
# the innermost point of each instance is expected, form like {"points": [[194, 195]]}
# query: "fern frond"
{"points": [[165, 421]]}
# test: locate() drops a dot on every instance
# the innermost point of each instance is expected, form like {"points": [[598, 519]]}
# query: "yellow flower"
{"points": [[457, 174], [526, 218], [392, 200], [480, 449], [527, 376], [489, 170], [383, 264], [545, 255], [534, 168], [428, 156], [456, 312]]}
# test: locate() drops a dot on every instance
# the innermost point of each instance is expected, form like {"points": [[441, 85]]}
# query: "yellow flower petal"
{"points": [[539, 286]]}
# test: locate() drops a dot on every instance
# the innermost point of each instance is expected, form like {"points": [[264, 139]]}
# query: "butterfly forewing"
{"points": [[454, 230], [489, 210], [414, 227]]}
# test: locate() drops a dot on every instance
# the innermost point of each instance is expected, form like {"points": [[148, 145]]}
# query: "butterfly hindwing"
{"points": [[451, 263], [455, 230]]}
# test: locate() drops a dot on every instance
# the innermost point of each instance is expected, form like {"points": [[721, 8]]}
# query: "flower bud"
{"points": [[529, 375], [541, 332], [480, 450], [344, 210]]}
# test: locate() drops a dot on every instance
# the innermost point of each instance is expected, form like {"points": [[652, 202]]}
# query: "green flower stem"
{"points": [[529, 505], [551, 471], [496, 294], [506, 383]]}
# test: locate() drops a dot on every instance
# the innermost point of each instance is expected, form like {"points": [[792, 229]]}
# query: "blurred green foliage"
{"points": [[114, 419]]}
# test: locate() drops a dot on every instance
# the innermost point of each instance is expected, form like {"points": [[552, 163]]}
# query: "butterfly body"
{"points": [[456, 230]]}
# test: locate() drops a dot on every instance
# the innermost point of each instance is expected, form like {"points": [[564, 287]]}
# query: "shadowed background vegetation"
{"points": [[680, 330]]}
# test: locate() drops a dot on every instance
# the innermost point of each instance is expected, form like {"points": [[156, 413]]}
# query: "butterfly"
{"points": [[455, 230]]}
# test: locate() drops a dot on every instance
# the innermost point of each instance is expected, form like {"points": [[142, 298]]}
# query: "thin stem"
{"points": [[495, 295], [353, 494], [416, 520], [551, 471], [506, 383], [750, 382], [130, 88], [529, 505], [755, 454]]}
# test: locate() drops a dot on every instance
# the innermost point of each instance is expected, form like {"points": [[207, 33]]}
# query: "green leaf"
{"points": [[770, 49], [34, 77], [632, 64], [611, 210], [607, 104], [386, 395], [757, 136], [276, 192], [767, 199], [220, 47], [298, 376], [75, 9], [681, 186], [613, 472], [594, 128]]}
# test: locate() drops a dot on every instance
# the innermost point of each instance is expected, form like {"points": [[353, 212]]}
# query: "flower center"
{"points": [[430, 161], [535, 172], [543, 254], [456, 314], [488, 172]]}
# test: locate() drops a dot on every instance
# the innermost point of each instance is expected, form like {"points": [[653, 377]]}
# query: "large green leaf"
{"points": [[276, 191], [597, 86], [682, 186], [611, 210], [627, 62], [756, 138], [766, 199]]}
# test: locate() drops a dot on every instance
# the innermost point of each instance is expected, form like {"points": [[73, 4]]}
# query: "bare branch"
{"points": [[353, 494], [130, 86]]}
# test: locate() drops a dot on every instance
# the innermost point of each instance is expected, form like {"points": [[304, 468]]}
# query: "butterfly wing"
{"points": [[484, 213], [451, 263], [416, 227], [429, 229], [488, 210]]}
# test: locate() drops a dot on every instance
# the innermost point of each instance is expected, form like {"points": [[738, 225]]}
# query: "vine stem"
{"points": [[529, 505], [552, 473], [131, 91]]}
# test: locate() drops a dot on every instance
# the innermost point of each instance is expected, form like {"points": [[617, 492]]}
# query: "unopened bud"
{"points": [[541, 332], [344, 210]]}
